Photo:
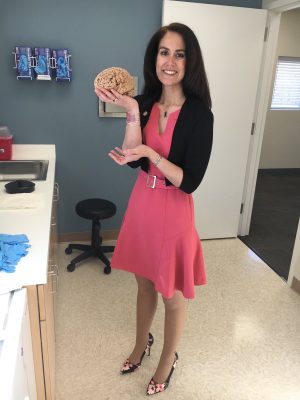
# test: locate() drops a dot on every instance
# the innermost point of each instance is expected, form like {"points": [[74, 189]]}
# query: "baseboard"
{"points": [[86, 236], [296, 285]]}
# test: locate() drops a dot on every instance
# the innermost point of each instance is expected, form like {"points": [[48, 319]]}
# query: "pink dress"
{"points": [[158, 239]]}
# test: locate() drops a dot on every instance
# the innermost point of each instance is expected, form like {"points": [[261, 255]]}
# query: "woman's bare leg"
{"points": [[175, 316], [145, 310]]}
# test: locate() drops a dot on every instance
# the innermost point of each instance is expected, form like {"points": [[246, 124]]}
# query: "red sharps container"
{"points": [[6, 139]]}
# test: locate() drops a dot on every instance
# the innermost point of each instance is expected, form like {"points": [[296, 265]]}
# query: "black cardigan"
{"points": [[191, 142]]}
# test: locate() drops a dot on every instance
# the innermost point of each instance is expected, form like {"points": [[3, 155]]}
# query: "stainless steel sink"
{"points": [[33, 170]]}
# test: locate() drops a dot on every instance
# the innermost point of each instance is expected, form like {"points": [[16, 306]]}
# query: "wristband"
{"points": [[158, 160], [133, 119]]}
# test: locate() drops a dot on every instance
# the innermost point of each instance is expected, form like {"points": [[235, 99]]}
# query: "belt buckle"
{"points": [[151, 185]]}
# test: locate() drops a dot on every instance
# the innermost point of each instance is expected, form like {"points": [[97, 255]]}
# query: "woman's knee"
{"points": [[144, 284], [174, 302]]}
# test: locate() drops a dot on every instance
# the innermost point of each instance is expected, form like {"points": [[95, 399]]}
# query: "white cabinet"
{"points": [[17, 378], [41, 300], [37, 272]]}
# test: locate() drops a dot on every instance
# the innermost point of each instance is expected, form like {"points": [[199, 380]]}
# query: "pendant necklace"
{"points": [[165, 112]]}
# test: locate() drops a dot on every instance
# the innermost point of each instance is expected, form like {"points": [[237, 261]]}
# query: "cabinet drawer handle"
{"points": [[56, 192], [53, 276], [52, 268]]}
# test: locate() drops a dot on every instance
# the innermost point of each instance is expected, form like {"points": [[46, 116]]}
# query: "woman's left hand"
{"points": [[122, 156], [113, 97]]}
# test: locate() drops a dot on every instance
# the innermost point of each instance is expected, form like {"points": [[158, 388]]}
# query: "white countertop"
{"points": [[35, 223]]}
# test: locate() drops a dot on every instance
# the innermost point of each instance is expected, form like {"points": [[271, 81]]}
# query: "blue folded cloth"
{"points": [[12, 248]]}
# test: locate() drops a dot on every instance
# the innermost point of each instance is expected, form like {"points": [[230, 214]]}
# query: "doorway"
{"points": [[276, 204]]}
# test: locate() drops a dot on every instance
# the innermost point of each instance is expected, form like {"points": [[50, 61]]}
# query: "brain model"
{"points": [[115, 78]]}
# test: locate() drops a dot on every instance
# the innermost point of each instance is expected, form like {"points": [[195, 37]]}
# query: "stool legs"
{"points": [[81, 257], [94, 249], [76, 246], [108, 249]]}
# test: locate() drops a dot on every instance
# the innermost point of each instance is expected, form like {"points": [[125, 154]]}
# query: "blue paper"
{"points": [[23, 62], [42, 69], [62, 65]]}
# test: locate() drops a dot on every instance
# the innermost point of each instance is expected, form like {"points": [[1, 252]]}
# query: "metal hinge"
{"points": [[242, 208], [266, 33], [22, 351], [252, 128]]}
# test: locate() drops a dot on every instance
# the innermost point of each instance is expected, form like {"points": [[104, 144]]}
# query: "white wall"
{"points": [[281, 142], [295, 263]]}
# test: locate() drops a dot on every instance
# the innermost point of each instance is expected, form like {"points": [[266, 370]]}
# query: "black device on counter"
{"points": [[20, 186]]}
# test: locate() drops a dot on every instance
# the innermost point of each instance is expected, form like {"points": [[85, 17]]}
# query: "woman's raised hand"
{"points": [[113, 97]]}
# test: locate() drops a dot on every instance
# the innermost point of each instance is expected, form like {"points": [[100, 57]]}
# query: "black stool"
{"points": [[94, 209]]}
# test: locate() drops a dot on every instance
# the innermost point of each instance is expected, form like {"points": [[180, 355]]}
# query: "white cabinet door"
{"points": [[231, 39], [28, 354], [20, 390], [17, 380]]}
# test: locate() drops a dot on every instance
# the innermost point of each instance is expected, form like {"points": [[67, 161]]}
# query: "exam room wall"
{"points": [[98, 34]]}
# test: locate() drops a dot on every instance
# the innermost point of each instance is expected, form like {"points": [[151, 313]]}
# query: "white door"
{"points": [[231, 40]]}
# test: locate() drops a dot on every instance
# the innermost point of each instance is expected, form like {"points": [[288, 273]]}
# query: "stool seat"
{"points": [[95, 209]]}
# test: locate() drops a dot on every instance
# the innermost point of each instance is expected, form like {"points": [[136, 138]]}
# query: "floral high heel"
{"points": [[128, 367], [154, 387]]}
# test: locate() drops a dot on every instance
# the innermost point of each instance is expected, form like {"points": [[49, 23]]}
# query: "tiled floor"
{"points": [[241, 342]]}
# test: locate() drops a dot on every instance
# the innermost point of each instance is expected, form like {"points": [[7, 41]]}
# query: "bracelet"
{"points": [[133, 119], [158, 160]]}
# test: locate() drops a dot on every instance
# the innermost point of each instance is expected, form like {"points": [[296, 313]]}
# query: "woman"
{"points": [[169, 135]]}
